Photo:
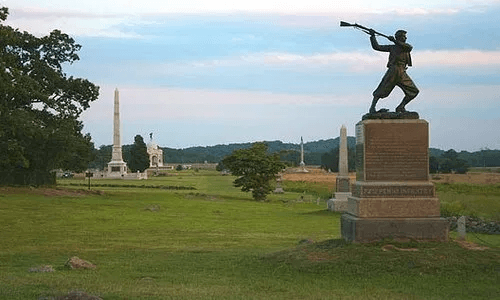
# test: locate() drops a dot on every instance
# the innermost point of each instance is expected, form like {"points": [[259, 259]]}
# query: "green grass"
{"points": [[470, 199], [215, 242], [311, 188]]}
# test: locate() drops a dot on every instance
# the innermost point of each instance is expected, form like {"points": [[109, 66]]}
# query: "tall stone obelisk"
{"points": [[343, 160], [302, 168], [116, 167], [343, 182]]}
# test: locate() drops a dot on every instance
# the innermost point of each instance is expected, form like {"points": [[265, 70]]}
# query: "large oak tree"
{"points": [[40, 106]]}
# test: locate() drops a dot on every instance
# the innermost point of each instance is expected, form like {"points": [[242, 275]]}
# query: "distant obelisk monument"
{"points": [[117, 167], [343, 183], [302, 168]]}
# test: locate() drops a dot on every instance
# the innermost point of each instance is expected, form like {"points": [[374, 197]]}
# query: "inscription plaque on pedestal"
{"points": [[392, 150], [393, 196]]}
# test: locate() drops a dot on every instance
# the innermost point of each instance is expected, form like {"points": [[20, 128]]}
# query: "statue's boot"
{"points": [[372, 107], [401, 107]]}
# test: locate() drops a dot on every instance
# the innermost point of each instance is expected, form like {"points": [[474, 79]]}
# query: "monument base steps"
{"points": [[367, 230], [393, 207], [393, 196], [339, 203]]}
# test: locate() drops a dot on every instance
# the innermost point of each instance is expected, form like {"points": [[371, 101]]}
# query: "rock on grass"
{"points": [[78, 263]]}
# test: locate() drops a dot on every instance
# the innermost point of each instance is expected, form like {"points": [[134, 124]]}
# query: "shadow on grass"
{"points": [[330, 244], [323, 212]]}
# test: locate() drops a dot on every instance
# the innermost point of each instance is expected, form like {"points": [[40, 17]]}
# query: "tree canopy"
{"points": [[448, 162], [330, 160], [40, 105], [139, 157], [256, 169]]}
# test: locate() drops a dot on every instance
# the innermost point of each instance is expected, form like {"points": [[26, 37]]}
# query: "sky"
{"points": [[209, 72]]}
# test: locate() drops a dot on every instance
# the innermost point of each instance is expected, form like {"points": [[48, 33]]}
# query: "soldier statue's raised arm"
{"points": [[399, 61]]}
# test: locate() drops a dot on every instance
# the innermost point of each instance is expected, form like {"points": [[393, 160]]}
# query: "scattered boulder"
{"points": [[42, 269], [78, 295], [78, 263], [73, 295], [153, 207]]}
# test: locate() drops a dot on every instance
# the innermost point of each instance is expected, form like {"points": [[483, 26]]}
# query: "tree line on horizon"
{"points": [[322, 153]]}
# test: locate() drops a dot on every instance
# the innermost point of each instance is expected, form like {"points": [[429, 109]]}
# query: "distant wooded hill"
{"points": [[289, 152]]}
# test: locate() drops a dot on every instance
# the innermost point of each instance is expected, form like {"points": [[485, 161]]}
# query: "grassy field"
{"points": [[478, 200], [194, 236]]}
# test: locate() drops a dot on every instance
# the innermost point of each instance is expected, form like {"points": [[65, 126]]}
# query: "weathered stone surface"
{"points": [[393, 207], [73, 295], [363, 189], [461, 228], [42, 269], [343, 184], [339, 203], [393, 196], [392, 150], [343, 155], [153, 207], [279, 190], [366, 230], [78, 263]]}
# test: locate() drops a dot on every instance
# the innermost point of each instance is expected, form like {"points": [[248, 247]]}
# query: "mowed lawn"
{"points": [[157, 239]]}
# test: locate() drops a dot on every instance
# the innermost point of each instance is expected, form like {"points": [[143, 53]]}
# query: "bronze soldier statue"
{"points": [[399, 61]]}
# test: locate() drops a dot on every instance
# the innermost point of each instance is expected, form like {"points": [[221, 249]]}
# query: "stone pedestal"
{"points": [[393, 196], [339, 203], [117, 169]]}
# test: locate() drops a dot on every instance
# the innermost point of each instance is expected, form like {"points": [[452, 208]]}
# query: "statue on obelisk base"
{"points": [[343, 183], [116, 167]]}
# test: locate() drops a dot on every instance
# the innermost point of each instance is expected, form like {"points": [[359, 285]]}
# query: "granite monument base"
{"points": [[366, 230], [339, 203], [393, 196]]}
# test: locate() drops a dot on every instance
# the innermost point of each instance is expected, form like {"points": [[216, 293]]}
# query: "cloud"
{"points": [[355, 61], [104, 18], [183, 117], [458, 58], [41, 21], [141, 103], [276, 6]]}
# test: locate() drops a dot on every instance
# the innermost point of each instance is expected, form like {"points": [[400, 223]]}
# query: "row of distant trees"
{"points": [[439, 161], [448, 162]]}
